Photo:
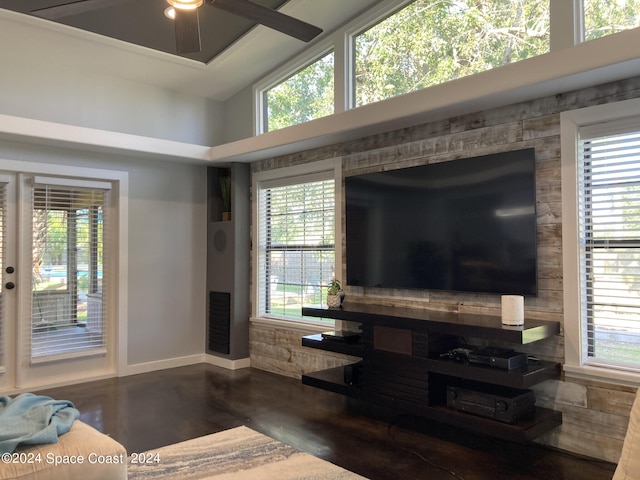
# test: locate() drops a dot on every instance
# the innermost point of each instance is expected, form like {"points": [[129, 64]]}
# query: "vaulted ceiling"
{"points": [[142, 22], [134, 39]]}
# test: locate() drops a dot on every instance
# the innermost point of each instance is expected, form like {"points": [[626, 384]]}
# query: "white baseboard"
{"points": [[56, 383], [142, 368], [162, 364], [185, 361], [226, 363]]}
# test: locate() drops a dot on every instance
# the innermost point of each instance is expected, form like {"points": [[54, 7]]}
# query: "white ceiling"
{"points": [[249, 59]]}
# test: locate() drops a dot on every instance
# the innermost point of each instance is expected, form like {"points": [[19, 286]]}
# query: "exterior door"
{"points": [[8, 281], [55, 326]]}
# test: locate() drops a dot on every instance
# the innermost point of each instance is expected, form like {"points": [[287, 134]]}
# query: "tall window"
{"points": [[68, 258], [296, 243], [304, 96], [609, 181], [605, 17], [600, 180]]}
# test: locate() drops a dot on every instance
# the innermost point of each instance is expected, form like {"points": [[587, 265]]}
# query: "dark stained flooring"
{"points": [[151, 410]]}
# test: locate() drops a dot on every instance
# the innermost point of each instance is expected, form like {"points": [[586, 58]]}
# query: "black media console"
{"points": [[405, 366]]}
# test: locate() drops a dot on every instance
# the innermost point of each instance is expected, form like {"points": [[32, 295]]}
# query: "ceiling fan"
{"points": [[187, 23]]}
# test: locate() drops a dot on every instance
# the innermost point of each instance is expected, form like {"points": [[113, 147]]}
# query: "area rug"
{"points": [[236, 454]]}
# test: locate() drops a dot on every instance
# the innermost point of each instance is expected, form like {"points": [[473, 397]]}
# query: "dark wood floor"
{"points": [[148, 411]]}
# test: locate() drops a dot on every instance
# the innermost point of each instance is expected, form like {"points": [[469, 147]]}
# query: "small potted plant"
{"points": [[335, 294], [225, 193]]}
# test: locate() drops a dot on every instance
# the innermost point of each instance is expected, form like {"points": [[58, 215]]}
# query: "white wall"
{"points": [[167, 244]]}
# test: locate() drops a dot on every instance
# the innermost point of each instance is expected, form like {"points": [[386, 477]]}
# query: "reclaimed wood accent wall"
{"points": [[595, 415]]}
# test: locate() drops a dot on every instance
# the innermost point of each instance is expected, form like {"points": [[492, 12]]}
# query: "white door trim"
{"points": [[120, 181]]}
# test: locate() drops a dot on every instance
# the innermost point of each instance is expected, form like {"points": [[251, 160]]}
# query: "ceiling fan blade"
{"points": [[187, 25], [74, 8], [270, 18]]}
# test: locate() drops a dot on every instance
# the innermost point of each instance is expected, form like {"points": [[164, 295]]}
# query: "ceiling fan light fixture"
{"points": [[185, 4]]}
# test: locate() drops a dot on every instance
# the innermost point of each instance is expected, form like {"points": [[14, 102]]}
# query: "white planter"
{"points": [[334, 301]]}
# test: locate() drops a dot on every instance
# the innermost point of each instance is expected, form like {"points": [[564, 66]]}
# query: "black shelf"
{"points": [[524, 377], [402, 369], [526, 430], [316, 341], [449, 323], [332, 380]]}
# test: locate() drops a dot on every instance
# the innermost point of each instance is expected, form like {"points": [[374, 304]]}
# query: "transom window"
{"points": [[391, 51], [606, 17], [306, 95], [428, 43]]}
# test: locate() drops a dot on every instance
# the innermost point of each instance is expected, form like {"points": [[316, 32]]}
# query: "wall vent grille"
{"points": [[219, 333]]}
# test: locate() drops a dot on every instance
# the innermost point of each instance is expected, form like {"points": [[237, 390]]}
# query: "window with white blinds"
{"points": [[609, 203], [69, 254], [296, 244]]}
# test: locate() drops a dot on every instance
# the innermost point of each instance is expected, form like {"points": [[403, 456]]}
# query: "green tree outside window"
{"points": [[606, 17], [305, 96], [432, 41]]}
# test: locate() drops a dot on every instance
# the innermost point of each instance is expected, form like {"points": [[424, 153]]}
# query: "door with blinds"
{"points": [[8, 278], [58, 323]]}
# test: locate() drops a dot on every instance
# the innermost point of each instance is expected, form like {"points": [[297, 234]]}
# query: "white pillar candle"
{"points": [[513, 310]]}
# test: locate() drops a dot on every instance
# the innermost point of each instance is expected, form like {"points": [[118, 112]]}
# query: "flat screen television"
{"points": [[466, 225]]}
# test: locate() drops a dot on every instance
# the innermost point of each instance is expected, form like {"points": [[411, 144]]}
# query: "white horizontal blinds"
{"points": [[297, 244], [69, 253], [3, 265], [610, 232]]}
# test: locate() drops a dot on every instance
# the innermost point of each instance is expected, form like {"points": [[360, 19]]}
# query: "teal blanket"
{"points": [[30, 419]]}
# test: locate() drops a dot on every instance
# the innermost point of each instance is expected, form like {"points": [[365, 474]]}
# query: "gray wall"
{"points": [[51, 92], [167, 260], [167, 244], [238, 116], [167, 202]]}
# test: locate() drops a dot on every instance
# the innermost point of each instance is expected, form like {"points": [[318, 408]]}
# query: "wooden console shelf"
{"points": [[402, 367]]}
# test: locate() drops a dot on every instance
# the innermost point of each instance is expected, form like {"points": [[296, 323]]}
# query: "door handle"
{"points": [[10, 269], [10, 285]]}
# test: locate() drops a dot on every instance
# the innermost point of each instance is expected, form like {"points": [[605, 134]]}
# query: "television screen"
{"points": [[466, 225]]}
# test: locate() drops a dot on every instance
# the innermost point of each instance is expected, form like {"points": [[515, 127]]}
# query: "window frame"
{"points": [[581, 24], [264, 118], [119, 234], [576, 360], [283, 74], [365, 22], [570, 12], [73, 346], [290, 176], [341, 42]]}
